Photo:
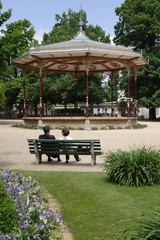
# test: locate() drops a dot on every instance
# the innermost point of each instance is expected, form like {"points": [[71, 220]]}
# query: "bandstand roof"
{"points": [[80, 54]]}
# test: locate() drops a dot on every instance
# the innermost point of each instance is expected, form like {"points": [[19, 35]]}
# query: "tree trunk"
{"points": [[35, 110], [65, 109], [91, 108], [152, 114], [46, 110]]}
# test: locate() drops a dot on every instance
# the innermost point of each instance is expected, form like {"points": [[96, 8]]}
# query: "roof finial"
{"points": [[81, 22]]}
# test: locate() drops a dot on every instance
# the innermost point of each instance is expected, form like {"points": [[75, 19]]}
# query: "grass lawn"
{"points": [[93, 208]]}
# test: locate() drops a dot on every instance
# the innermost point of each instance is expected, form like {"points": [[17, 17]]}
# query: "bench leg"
{"points": [[38, 156], [93, 160], [92, 154]]}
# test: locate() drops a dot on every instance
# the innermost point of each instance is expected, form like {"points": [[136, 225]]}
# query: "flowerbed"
{"points": [[33, 219]]}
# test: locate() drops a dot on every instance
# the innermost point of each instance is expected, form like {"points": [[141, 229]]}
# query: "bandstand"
{"points": [[78, 56]]}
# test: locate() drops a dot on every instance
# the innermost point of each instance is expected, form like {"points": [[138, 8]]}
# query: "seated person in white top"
{"points": [[65, 134]]}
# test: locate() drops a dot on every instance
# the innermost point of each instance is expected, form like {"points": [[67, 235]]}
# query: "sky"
{"points": [[41, 13]]}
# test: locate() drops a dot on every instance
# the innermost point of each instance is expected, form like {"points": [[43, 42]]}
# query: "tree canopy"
{"points": [[139, 28], [3, 18]]}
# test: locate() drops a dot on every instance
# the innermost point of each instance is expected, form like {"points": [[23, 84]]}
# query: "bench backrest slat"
{"points": [[64, 146]]}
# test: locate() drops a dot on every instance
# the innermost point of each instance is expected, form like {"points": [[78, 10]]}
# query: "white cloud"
{"points": [[39, 34]]}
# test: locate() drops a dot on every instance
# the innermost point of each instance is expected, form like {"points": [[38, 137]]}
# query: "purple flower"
{"points": [[41, 227], [28, 197]]}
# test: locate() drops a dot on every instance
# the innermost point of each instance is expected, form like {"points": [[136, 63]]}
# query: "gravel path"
{"points": [[14, 153]]}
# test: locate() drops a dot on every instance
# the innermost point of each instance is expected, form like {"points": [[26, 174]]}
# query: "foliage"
{"points": [[146, 227], [2, 95], [139, 28], [12, 90], [79, 192], [5, 15], [67, 26], [15, 39], [26, 126], [95, 90], [18, 38], [138, 25], [111, 127], [3, 18], [115, 88], [33, 220], [139, 126], [7, 212], [136, 167]]}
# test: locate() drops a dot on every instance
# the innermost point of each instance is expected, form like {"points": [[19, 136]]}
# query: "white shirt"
{"points": [[66, 138]]}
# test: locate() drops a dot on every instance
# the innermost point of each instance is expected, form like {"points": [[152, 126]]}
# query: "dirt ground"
{"points": [[14, 153]]}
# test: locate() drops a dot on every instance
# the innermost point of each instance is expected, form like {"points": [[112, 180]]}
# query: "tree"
{"points": [[2, 95], [16, 39], [139, 28], [5, 15], [68, 25], [3, 66]]}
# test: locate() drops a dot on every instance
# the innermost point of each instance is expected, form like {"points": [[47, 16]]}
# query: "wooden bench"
{"points": [[64, 147]]}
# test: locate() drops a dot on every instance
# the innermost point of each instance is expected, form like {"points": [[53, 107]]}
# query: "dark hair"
{"points": [[65, 132], [46, 129]]}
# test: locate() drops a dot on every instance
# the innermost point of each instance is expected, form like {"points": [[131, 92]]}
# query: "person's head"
{"points": [[46, 129], [65, 132]]}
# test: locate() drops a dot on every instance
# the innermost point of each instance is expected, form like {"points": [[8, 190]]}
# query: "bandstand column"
{"points": [[24, 102], [41, 66], [135, 100], [112, 108], [76, 107], [41, 80], [128, 103], [87, 94], [128, 67]]}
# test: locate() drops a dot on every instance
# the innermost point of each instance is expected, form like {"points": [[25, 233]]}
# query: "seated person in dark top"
{"points": [[47, 135]]}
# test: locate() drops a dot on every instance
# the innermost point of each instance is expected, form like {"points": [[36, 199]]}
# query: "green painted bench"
{"points": [[65, 147]]}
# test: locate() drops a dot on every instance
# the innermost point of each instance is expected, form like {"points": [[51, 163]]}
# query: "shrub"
{"points": [[94, 128], [127, 127], [146, 227], [139, 126], [119, 128], [7, 211], [33, 126], [25, 126], [136, 167], [103, 128], [111, 128], [80, 128]]}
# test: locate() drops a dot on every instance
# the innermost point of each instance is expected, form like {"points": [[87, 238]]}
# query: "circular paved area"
{"points": [[14, 153]]}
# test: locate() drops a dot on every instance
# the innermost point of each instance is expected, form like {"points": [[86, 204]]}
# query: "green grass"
{"points": [[93, 208]]}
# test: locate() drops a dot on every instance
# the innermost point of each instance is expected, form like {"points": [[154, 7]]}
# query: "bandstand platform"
{"points": [[81, 122]]}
